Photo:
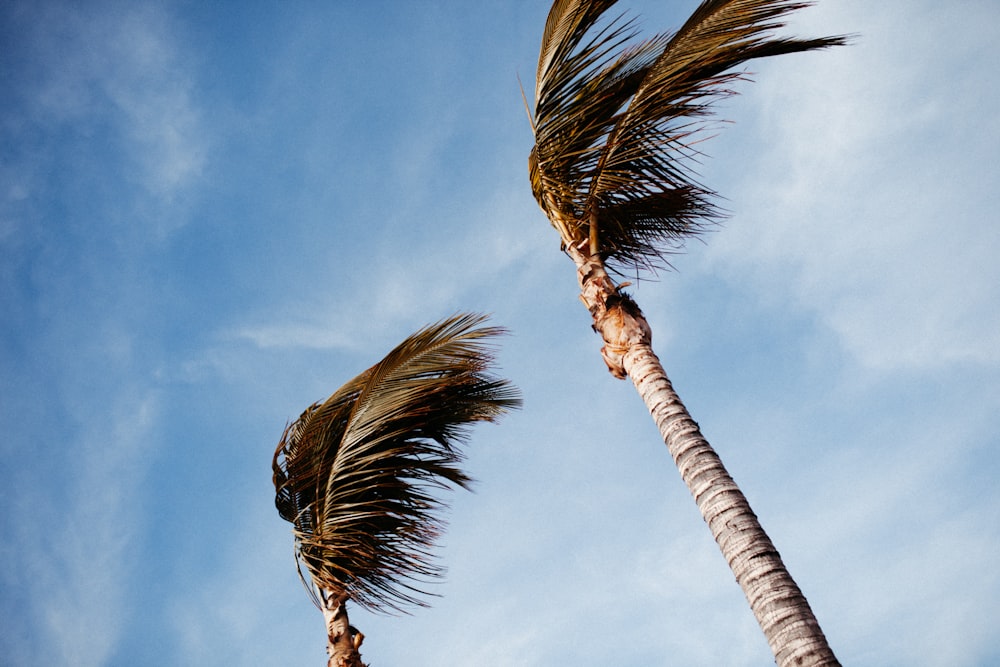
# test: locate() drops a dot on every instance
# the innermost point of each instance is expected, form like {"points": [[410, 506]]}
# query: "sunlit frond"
{"points": [[617, 119], [359, 474]]}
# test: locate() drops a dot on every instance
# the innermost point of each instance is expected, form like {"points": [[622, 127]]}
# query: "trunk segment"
{"points": [[783, 613], [342, 639]]}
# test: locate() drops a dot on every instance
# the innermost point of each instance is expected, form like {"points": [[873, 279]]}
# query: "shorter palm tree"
{"points": [[358, 474]]}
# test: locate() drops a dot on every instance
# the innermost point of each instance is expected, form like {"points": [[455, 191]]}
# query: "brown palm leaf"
{"points": [[616, 120], [358, 474]]}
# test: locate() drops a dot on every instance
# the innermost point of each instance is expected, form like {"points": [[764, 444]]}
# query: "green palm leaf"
{"points": [[358, 474], [616, 120]]}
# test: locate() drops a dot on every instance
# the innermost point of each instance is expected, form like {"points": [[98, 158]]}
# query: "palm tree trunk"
{"points": [[783, 613], [343, 640]]}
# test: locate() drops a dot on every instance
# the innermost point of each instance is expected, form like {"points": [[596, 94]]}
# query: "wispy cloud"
{"points": [[234, 613], [86, 66], [79, 547], [872, 208], [296, 334], [398, 291], [153, 92], [104, 138]]}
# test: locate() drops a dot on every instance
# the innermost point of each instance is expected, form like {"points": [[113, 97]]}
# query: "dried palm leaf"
{"points": [[616, 120], [359, 473]]}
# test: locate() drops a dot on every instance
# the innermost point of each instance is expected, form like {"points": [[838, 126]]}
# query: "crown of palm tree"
{"points": [[615, 120], [357, 474]]}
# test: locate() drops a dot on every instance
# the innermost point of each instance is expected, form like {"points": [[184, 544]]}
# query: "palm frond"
{"points": [[616, 120], [358, 474]]}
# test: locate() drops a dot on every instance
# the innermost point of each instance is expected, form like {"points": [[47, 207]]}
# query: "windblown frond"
{"points": [[616, 120], [357, 474]]}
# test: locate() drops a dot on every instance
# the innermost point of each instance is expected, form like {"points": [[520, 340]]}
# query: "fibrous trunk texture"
{"points": [[343, 640], [781, 610]]}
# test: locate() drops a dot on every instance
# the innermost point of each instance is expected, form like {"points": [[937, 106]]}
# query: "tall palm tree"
{"points": [[357, 474], [615, 121]]}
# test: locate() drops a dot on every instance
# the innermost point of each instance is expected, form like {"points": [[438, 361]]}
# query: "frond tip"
{"points": [[357, 474], [617, 119]]}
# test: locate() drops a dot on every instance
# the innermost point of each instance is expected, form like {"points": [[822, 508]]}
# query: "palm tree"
{"points": [[357, 474], [616, 121]]}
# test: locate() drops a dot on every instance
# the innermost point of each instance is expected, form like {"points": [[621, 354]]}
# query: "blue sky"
{"points": [[212, 215]]}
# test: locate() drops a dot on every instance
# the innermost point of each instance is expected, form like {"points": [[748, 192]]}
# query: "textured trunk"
{"points": [[784, 614], [343, 640]]}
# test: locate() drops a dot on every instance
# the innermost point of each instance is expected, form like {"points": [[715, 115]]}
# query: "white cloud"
{"points": [[295, 334], [153, 91], [244, 612], [910, 559], [79, 550], [89, 66], [396, 290], [870, 203]]}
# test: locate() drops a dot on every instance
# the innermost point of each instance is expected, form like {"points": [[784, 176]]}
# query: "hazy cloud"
{"points": [[86, 66], [80, 544], [871, 207]]}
